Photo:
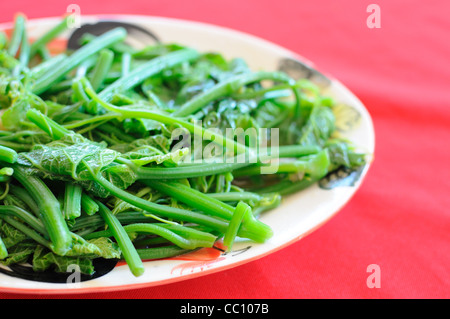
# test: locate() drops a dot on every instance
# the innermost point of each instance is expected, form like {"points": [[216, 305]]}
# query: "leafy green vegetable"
{"points": [[18, 254], [10, 235], [115, 152], [43, 259]]}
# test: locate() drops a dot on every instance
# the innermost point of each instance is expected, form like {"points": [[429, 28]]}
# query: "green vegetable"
{"points": [[3, 40], [88, 205], [128, 250], [17, 35], [72, 200], [49, 209], [102, 67], [110, 151], [3, 250], [56, 74], [40, 43], [226, 88], [161, 252], [242, 210], [24, 196], [251, 228], [7, 154], [146, 70]]}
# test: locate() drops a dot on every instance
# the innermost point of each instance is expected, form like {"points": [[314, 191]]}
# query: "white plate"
{"points": [[299, 214]]}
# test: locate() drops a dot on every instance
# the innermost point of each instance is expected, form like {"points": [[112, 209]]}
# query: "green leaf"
{"points": [[338, 152], [319, 127], [7, 64], [15, 115], [141, 127], [10, 235], [44, 259], [342, 154], [158, 141], [146, 154], [15, 97], [18, 254], [119, 175], [107, 248], [99, 247], [153, 51], [70, 160]]}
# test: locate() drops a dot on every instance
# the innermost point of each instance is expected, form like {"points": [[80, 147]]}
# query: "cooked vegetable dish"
{"points": [[114, 152]]}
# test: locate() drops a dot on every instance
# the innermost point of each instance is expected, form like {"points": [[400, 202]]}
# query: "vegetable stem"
{"points": [[3, 250], [42, 41], [252, 228], [128, 250], [161, 252], [189, 239], [240, 212], [88, 205], [8, 154], [35, 223], [28, 231], [102, 68], [226, 88], [163, 210], [17, 35], [146, 70], [72, 200], [46, 124], [45, 82], [49, 210], [196, 170], [44, 67], [128, 112], [312, 165]]}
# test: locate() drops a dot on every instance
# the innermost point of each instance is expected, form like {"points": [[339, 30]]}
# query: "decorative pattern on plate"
{"points": [[205, 257], [299, 70], [102, 267], [341, 177], [135, 33]]}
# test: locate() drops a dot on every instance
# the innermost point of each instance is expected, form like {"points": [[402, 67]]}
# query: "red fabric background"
{"points": [[399, 219]]}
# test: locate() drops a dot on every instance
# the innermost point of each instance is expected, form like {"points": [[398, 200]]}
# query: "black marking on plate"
{"points": [[343, 176], [138, 33], [102, 267], [233, 253], [299, 70], [219, 249]]}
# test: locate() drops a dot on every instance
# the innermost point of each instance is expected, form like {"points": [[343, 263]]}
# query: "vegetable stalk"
{"points": [[49, 210], [126, 245], [45, 82]]}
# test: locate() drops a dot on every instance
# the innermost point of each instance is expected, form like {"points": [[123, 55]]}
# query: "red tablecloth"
{"points": [[400, 218]]}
